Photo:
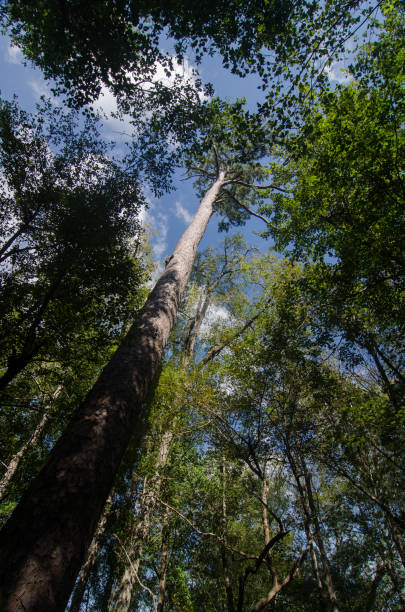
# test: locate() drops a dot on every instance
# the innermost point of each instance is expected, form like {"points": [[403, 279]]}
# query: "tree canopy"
{"points": [[232, 438]]}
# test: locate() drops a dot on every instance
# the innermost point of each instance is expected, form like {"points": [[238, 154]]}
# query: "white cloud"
{"points": [[106, 104], [182, 73], [41, 89], [337, 72], [161, 227], [215, 314], [157, 224], [14, 55], [183, 214], [143, 217]]}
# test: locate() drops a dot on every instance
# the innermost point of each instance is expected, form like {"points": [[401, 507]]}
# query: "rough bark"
{"points": [[149, 497], [16, 460], [46, 538]]}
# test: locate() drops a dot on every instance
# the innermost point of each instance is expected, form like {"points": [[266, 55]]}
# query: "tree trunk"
{"points": [[30, 443], [319, 539], [323, 597], [108, 590], [224, 554], [164, 557], [149, 496], [46, 538], [397, 538], [148, 503], [91, 557]]}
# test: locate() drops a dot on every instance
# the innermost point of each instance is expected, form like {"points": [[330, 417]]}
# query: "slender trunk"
{"points": [[148, 503], [107, 591], [397, 538], [30, 443], [164, 558], [195, 325], [307, 527], [91, 557], [194, 328], [278, 586], [265, 518], [384, 378], [56, 518], [319, 539], [224, 556]]}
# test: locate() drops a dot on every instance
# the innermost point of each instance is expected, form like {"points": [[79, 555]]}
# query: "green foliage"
{"points": [[344, 208], [69, 221], [296, 426], [71, 270]]}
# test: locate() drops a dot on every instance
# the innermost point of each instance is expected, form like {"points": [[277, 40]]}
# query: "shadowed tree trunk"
{"points": [[307, 526], [149, 498], [319, 540], [17, 362], [46, 538]]}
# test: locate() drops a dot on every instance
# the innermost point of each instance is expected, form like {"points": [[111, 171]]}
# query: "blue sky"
{"points": [[168, 216]]}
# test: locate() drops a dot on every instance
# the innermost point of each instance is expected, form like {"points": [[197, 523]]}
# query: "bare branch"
{"points": [[143, 586], [215, 350], [217, 164], [264, 187], [276, 588], [248, 210], [252, 569], [209, 534]]}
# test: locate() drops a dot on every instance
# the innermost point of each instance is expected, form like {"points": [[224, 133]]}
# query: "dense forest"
{"points": [[223, 431]]}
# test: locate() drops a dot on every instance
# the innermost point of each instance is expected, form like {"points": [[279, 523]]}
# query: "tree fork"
{"points": [[45, 540]]}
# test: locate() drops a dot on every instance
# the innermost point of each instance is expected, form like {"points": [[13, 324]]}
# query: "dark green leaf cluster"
{"points": [[70, 233]]}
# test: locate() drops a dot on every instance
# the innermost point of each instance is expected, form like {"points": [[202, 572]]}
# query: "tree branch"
{"points": [[276, 588], [264, 187], [215, 350], [143, 586], [248, 210], [209, 534]]}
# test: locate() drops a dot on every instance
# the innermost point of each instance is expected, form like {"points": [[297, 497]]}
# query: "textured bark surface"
{"points": [[46, 538]]}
